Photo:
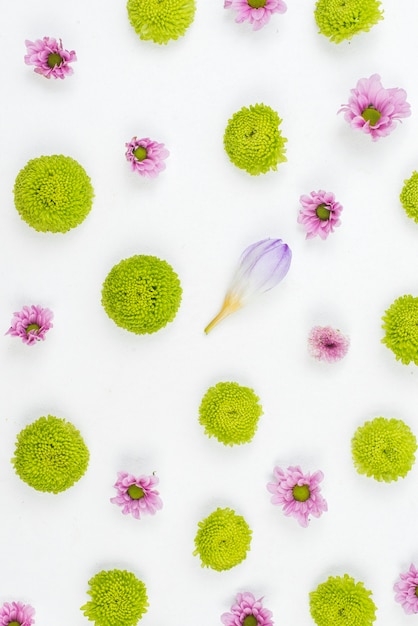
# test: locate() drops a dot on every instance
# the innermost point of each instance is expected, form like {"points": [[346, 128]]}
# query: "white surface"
{"points": [[135, 399]]}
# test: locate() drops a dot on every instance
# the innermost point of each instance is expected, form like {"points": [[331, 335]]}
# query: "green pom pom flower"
{"points": [[409, 196], [401, 326], [53, 193], [141, 294], [161, 20], [50, 455], [384, 448], [118, 598], [223, 540], [230, 413], [340, 601], [252, 139], [341, 19]]}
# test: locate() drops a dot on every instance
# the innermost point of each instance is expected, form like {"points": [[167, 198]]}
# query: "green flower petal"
{"points": [[161, 20], [401, 329], [409, 196], [340, 601], [118, 598], [230, 413], [341, 19], [384, 448], [222, 540], [252, 139], [53, 193], [50, 455], [141, 294]]}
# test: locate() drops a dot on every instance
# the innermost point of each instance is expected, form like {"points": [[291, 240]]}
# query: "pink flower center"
{"points": [[34, 327], [135, 492], [140, 153], [54, 59], [301, 493], [322, 212], [250, 620], [371, 115], [256, 4]]}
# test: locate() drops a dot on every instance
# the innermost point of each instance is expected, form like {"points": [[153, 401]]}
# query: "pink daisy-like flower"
{"points": [[247, 611], [374, 109], [31, 324], [257, 12], [406, 590], [16, 614], [137, 495], [146, 156], [49, 57], [320, 213], [298, 493], [327, 344]]}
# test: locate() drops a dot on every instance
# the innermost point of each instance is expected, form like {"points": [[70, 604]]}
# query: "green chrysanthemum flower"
{"points": [[50, 455], [223, 540], [53, 193], [409, 196], [118, 598], [384, 448], [341, 19], [230, 413], [161, 20], [141, 294], [252, 139], [401, 326], [340, 601]]}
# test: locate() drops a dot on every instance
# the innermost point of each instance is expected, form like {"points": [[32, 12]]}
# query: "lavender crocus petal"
{"points": [[262, 266]]}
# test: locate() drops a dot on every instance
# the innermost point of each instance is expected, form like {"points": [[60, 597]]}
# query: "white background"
{"points": [[135, 398]]}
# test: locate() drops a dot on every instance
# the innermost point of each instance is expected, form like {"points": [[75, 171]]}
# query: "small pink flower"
{"points": [[137, 495], [257, 12], [247, 611], [298, 493], [406, 590], [374, 109], [327, 344], [146, 156], [16, 613], [49, 57], [320, 214], [31, 324]]}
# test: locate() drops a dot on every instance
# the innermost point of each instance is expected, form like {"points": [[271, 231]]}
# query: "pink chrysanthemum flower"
{"points": [[16, 614], [49, 57], [146, 156], [406, 590], [320, 213], [298, 493], [374, 109], [247, 611], [137, 495], [257, 12], [31, 324], [327, 344]]}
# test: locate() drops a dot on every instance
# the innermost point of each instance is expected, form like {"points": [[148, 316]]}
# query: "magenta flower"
{"points": [[49, 57], [257, 12], [298, 493], [137, 495], [320, 213], [406, 590], [374, 109], [146, 156], [327, 344], [31, 324], [247, 611], [16, 614], [262, 266]]}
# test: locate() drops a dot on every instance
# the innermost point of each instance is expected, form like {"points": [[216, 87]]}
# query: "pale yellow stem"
{"points": [[229, 306]]}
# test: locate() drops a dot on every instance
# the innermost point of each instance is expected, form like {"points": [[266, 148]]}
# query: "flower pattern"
{"points": [[256, 12], [49, 57], [320, 214], [327, 344], [406, 590], [146, 156], [16, 614], [31, 324], [247, 611], [137, 496]]}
